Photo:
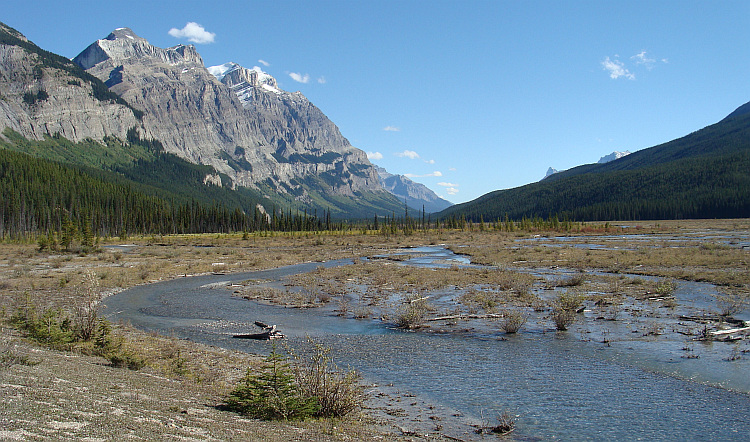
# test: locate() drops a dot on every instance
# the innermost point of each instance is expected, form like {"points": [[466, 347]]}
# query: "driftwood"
{"points": [[732, 334], [269, 332], [714, 318], [450, 317]]}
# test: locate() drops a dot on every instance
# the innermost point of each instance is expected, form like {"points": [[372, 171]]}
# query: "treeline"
{"points": [[41, 197]]}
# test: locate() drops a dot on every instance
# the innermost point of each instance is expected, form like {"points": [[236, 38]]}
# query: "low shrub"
{"points": [[564, 309], [337, 392], [512, 321]]}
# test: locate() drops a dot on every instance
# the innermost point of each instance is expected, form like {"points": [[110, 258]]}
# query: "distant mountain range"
{"points": [[701, 175], [415, 195], [272, 146]]}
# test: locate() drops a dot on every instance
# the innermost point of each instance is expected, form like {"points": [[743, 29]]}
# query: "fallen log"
{"points": [[268, 333], [450, 317], [732, 334]]}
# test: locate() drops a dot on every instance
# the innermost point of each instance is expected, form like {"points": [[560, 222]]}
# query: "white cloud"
{"points": [[429, 161], [194, 33], [444, 184], [642, 58], [374, 156], [264, 63], [322, 80], [408, 154], [616, 69], [435, 173], [391, 129], [299, 78], [451, 191]]}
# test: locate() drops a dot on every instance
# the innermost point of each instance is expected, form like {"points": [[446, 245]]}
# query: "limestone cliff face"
{"points": [[243, 125], [37, 99]]}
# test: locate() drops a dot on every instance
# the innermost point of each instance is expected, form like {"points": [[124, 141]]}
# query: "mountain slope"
{"points": [[45, 94], [701, 175]]}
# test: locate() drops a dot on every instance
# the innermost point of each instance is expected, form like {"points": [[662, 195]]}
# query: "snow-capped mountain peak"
{"points": [[221, 70], [616, 155], [241, 79]]}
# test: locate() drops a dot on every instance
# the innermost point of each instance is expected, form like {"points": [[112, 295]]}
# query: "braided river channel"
{"points": [[557, 385]]}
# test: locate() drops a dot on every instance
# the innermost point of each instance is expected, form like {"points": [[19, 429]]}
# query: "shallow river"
{"points": [[559, 388]]}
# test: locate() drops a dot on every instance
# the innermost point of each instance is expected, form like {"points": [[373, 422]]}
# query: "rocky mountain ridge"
{"points": [[251, 133], [42, 94]]}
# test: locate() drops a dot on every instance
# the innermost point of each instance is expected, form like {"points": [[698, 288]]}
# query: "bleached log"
{"points": [[450, 317], [731, 331]]}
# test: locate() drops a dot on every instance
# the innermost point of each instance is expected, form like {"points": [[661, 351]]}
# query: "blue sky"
{"points": [[466, 97]]}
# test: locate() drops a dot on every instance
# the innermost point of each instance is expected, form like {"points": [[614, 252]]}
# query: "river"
{"points": [[558, 387]]}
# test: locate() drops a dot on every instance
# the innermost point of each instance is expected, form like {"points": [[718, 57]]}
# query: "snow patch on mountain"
{"points": [[243, 80], [616, 155]]}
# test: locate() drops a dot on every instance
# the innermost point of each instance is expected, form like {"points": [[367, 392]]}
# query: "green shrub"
{"points": [[272, 394], [50, 327]]}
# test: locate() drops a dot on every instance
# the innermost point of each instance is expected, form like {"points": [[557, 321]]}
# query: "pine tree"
{"points": [[272, 394]]}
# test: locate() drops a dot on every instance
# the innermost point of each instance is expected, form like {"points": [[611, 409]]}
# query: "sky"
{"points": [[466, 97]]}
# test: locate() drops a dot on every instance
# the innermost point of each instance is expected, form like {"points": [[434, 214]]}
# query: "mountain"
{"points": [[239, 122], [415, 195], [275, 144], [613, 156], [550, 171], [44, 94], [701, 175]]}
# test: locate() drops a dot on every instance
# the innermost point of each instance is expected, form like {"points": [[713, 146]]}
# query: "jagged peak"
{"points": [[123, 43], [236, 76], [123, 33]]}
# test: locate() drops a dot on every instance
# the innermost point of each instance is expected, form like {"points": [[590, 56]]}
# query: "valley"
{"points": [[632, 328]]}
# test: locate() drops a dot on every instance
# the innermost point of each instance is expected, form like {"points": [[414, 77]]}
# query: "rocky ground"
{"points": [[54, 395]]}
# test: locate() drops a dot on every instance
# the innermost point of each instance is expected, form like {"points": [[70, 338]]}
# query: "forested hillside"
{"points": [[702, 175], [154, 193]]}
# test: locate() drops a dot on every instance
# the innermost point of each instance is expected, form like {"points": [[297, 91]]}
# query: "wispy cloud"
{"points": [[429, 161], [408, 154], [374, 156], [450, 188], [300, 78], [642, 59], [436, 173], [391, 129], [616, 69], [264, 63], [322, 80], [193, 32]]}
